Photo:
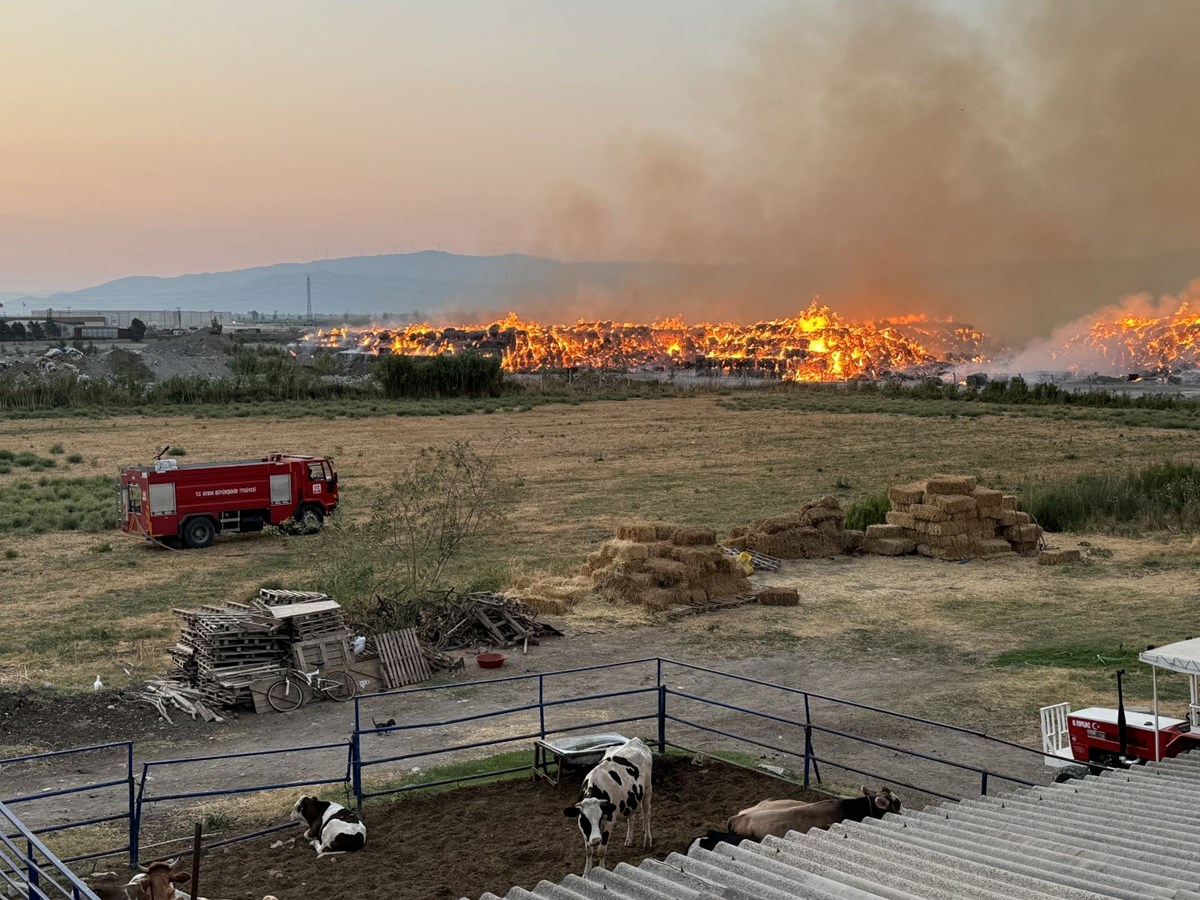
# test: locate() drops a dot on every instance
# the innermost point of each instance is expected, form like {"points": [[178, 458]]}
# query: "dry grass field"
{"points": [[72, 607]]}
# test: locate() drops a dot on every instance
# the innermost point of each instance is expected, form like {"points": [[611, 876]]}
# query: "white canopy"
{"points": [[1182, 656]]}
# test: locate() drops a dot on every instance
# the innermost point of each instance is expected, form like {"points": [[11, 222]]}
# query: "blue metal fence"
{"points": [[126, 814], [650, 699], [29, 869]]}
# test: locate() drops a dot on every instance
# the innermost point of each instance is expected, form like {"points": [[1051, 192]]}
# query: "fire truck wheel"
{"points": [[309, 520], [198, 533]]}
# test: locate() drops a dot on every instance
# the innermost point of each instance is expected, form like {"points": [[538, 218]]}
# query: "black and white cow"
{"points": [[331, 827], [614, 790]]}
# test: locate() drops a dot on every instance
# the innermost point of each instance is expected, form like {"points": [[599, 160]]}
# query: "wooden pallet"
{"points": [[402, 659], [676, 612], [278, 596], [760, 561]]}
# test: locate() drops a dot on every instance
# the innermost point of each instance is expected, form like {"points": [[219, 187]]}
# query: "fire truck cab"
{"points": [[192, 503], [1123, 737]]}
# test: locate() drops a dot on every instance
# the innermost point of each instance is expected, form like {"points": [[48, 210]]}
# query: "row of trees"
{"points": [[29, 331], [49, 330]]}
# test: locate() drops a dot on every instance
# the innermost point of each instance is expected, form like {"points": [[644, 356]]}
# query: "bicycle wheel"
{"points": [[285, 695], [338, 686]]}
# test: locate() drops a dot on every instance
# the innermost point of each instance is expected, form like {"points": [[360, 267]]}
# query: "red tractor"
{"points": [[1119, 738], [192, 503]]}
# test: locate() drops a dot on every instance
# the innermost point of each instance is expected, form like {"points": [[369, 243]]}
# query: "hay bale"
{"points": [[994, 547], [880, 532], [1058, 557], [949, 484], [907, 494], [889, 546], [663, 598], [822, 515], [776, 596], [986, 498], [937, 552], [1023, 518], [665, 572], [852, 540], [639, 532], [955, 504], [902, 519], [826, 502], [1023, 534], [926, 512], [942, 529], [1008, 501], [664, 532], [693, 537], [1003, 518]]}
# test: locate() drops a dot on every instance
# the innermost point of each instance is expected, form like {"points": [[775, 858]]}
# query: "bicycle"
{"points": [[287, 693]]}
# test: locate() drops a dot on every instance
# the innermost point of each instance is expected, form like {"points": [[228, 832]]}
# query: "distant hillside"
{"points": [[429, 281]]}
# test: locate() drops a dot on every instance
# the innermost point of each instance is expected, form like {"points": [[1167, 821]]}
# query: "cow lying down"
{"points": [[155, 882], [331, 827], [778, 817]]}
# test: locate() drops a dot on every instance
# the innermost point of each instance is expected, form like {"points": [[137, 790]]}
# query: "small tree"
{"points": [[18, 330], [53, 331], [36, 331], [215, 327], [6, 332], [382, 569], [137, 330]]}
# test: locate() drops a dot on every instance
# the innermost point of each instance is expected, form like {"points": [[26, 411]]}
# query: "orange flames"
{"points": [[1136, 343], [817, 345]]}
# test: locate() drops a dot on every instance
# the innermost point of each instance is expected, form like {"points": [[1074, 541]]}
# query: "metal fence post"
{"points": [[542, 706], [983, 785], [135, 835], [662, 718], [34, 893], [133, 824], [810, 761]]}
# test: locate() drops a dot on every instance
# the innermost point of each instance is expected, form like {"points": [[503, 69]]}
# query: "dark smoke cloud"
{"points": [[1014, 167]]}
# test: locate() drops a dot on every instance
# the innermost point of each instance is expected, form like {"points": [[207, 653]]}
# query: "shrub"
{"points": [[57, 450], [177, 451], [868, 511], [11, 554], [1165, 495], [75, 458], [104, 547]]}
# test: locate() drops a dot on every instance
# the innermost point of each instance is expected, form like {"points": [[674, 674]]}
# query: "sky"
{"points": [[144, 137]]}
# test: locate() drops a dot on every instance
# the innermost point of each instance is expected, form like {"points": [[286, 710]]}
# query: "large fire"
{"points": [[1128, 343], [817, 345]]}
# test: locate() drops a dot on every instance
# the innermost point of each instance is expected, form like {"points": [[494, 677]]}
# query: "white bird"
{"points": [[97, 684]]}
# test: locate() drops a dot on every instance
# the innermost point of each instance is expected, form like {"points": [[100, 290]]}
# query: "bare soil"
{"points": [[489, 838]]}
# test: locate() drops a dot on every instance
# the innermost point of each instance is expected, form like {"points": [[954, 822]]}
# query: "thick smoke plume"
{"points": [[1014, 165]]}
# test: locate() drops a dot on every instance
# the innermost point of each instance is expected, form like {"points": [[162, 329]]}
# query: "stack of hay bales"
{"points": [[949, 517], [661, 566], [815, 531]]}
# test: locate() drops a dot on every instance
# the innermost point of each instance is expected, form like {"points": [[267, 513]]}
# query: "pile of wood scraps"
{"points": [[481, 620], [173, 694]]}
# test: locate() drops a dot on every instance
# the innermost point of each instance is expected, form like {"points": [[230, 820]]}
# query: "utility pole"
{"points": [[308, 287]]}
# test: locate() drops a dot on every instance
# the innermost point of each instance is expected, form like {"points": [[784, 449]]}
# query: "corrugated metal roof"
{"points": [[1133, 834]]}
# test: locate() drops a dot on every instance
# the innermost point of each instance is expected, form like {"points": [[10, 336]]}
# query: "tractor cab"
{"points": [[1123, 737]]}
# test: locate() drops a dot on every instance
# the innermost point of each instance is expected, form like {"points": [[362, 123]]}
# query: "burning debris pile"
{"points": [[812, 532], [817, 345], [1127, 343], [949, 517], [665, 566]]}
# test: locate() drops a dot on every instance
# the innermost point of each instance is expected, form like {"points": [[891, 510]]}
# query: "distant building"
{"points": [[160, 319]]}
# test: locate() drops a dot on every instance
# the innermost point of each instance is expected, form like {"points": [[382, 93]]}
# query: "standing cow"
{"points": [[613, 791]]}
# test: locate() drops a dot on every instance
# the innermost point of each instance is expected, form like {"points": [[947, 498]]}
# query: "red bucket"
{"points": [[490, 660]]}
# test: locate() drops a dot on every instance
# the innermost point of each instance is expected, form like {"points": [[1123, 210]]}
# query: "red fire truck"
{"points": [[194, 502]]}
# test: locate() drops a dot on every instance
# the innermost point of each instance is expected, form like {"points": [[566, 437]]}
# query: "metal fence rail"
{"points": [[126, 815], [543, 713], [29, 869]]}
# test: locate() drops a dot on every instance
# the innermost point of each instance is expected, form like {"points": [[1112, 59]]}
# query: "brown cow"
{"points": [[778, 817]]}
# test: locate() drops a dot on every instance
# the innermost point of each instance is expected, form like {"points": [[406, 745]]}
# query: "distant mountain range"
{"points": [[429, 281], [1015, 300]]}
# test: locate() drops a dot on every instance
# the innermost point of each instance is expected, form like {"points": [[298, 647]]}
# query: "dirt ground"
{"points": [[489, 838]]}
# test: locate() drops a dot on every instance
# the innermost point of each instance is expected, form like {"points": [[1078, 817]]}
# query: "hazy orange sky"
{"points": [[151, 137]]}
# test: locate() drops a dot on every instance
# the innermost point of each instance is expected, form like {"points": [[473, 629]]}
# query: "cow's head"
{"points": [[595, 819], [158, 883], [882, 802], [309, 809]]}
